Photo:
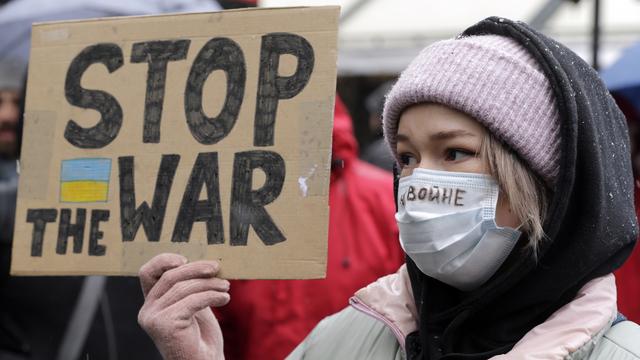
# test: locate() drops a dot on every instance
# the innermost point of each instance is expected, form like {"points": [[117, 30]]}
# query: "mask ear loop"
{"points": [[396, 183]]}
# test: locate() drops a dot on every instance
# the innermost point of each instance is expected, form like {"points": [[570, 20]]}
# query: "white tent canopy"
{"points": [[382, 36]]}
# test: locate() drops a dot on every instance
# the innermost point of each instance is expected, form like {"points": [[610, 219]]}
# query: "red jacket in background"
{"points": [[266, 319], [628, 278]]}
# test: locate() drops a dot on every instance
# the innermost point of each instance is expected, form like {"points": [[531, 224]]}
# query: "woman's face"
{"points": [[435, 137]]}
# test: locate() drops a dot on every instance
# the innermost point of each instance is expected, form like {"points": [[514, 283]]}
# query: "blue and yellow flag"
{"points": [[85, 180]]}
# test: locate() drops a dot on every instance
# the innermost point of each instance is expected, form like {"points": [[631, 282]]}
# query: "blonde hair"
{"points": [[526, 193]]}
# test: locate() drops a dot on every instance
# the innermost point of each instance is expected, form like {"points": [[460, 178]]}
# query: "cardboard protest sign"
{"points": [[207, 135]]}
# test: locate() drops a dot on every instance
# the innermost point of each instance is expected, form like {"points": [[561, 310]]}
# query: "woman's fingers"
{"points": [[195, 270], [152, 271], [175, 311], [161, 321], [185, 288], [186, 308]]}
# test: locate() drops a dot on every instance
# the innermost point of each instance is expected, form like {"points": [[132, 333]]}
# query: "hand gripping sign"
{"points": [[202, 134]]}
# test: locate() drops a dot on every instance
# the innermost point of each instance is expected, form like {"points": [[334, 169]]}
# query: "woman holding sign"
{"points": [[515, 204]]}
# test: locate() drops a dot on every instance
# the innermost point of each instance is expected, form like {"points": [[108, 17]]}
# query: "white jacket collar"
{"points": [[565, 332]]}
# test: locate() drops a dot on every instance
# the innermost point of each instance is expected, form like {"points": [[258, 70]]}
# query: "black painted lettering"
{"points": [[110, 111], [39, 218], [217, 54], [434, 194], [458, 198], [272, 87], [152, 218], [446, 195], [66, 229], [157, 54], [422, 193], [192, 209], [247, 205], [411, 193], [97, 216]]}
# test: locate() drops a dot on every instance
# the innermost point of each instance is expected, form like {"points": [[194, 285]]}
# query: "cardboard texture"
{"points": [[205, 134]]}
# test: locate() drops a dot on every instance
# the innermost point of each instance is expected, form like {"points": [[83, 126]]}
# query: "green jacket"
{"points": [[382, 314]]}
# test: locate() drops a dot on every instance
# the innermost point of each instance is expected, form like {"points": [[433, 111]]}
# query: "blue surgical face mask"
{"points": [[447, 226]]}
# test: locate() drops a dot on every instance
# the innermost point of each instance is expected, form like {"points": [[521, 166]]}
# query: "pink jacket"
{"points": [[572, 328]]}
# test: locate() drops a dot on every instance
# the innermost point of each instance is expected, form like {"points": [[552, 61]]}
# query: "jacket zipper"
{"points": [[360, 306]]}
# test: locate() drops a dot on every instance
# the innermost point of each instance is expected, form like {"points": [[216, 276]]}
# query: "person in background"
{"points": [[362, 247], [628, 276], [377, 152], [62, 318], [11, 78]]}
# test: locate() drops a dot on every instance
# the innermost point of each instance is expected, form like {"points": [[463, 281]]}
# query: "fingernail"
{"points": [[210, 269], [183, 259], [215, 267]]}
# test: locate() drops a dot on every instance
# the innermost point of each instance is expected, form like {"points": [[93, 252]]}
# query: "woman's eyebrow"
{"points": [[444, 135], [402, 138]]}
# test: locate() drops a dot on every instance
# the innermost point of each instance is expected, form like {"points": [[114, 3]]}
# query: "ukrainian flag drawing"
{"points": [[85, 180]]}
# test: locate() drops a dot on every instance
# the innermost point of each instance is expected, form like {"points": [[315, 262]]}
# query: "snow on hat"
{"points": [[496, 81]]}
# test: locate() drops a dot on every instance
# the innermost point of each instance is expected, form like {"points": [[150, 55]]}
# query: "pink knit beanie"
{"points": [[496, 81]]}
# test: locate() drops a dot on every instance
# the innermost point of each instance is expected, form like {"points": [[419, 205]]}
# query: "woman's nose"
{"points": [[429, 163]]}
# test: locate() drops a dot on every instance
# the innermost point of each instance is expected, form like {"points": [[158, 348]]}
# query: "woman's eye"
{"points": [[457, 154], [408, 160]]}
